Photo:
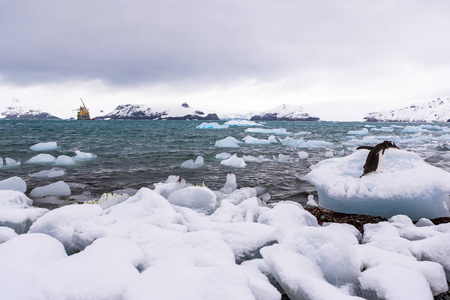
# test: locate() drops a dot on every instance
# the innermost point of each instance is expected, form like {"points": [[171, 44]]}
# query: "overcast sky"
{"points": [[339, 59]]}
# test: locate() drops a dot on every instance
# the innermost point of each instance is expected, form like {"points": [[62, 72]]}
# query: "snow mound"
{"points": [[48, 146], [407, 186]]}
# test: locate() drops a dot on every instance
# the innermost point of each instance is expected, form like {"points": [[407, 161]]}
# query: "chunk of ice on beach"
{"points": [[64, 160], [191, 164], [407, 186], [234, 161], [59, 188], [13, 183], [16, 211], [228, 142], [42, 158], [213, 125], [230, 184], [44, 146], [54, 172], [198, 198]]}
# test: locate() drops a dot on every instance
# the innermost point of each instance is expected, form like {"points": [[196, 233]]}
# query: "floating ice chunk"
{"points": [[223, 155], [408, 186], [59, 188], [42, 158], [16, 211], [198, 198], [234, 161], [363, 131], [109, 199], [303, 154], [328, 154], [213, 125], [261, 158], [230, 184], [64, 160], [44, 146], [412, 129], [54, 172], [278, 131], [191, 164], [242, 123], [382, 129], [10, 163], [83, 155], [13, 183], [254, 141], [228, 142], [285, 159], [301, 143], [291, 142], [392, 282]]}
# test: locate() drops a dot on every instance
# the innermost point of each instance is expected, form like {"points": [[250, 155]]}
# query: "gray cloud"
{"points": [[201, 41]]}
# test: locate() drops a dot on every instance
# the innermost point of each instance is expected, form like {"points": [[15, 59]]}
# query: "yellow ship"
{"points": [[83, 112]]}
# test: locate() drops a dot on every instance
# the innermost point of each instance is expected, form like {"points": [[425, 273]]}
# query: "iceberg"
{"points": [[13, 183], [242, 123], [228, 142], [54, 172], [278, 131], [83, 155], [234, 161], [408, 186], [213, 125], [191, 164], [42, 158], [49, 146]]}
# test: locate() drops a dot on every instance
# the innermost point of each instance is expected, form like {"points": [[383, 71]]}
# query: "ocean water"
{"points": [[135, 154]]}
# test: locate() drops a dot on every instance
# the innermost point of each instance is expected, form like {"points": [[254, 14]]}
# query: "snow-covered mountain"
{"points": [[145, 112], [26, 113], [437, 110], [284, 113]]}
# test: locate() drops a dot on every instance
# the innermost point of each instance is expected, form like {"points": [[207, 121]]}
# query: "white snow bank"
{"points": [[6, 234], [407, 186], [13, 183], [59, 188], [191, 164], [16, 211], [228, 142], [49, 146], [234, 161], [213, 125], [42, 158]]}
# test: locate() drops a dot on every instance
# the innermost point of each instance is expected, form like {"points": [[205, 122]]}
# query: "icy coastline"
{"points": [[181, 241]]}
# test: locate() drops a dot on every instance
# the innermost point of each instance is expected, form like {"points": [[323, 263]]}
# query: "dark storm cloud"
{"points": [[135, 42]]}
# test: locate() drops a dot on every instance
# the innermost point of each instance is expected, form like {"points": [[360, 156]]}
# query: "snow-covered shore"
{"points": [[180, 241]]}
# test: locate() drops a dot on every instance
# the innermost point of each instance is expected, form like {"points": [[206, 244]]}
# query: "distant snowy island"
{"points": [[437, 110], [145, 112], [284, 113], [26, 113]]}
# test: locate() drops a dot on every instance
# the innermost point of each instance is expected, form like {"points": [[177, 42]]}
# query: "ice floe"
{"points": [[53, 172], [213, 125], [408, 185], [13, 183], [59, 188], [228, 142], [277, 131], [48, 146], [42, 158], [191, 164], [234, 161]]}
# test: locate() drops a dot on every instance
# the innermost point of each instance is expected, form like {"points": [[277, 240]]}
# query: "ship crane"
{"points": [[83, 112]]}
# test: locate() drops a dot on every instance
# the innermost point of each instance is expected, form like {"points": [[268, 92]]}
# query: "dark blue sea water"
{"points": [[135, 154]]}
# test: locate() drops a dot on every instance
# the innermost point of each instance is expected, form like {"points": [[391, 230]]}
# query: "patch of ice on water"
{"points": [[59, 188], [191, 164], [13, 183], [228, 142], [213, 125], [48, 146], [42, 158], [277, 131], [234, 161], [54, 172]]}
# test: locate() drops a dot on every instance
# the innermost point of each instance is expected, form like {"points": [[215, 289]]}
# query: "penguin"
{"points": [[376, 156]]}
